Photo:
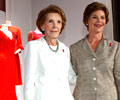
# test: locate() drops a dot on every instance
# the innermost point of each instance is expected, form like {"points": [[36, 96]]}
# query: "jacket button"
{"points": [[94, 68], [95, 89], [94, 59], [94, 79]]}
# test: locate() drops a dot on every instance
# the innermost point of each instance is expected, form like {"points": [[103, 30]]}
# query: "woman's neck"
{"points": [[52, 42], [94, 37], [94, 40]]}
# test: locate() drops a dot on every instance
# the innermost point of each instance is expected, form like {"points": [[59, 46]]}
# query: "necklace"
{"points": [[53, 49]]}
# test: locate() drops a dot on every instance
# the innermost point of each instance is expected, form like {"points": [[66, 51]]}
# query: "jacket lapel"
{"points": [[102, 48], [87, 48], [99, 50], [43, 44]]}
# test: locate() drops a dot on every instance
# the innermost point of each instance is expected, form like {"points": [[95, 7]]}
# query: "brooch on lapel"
{"points": [[63, 50], [110, 44]]}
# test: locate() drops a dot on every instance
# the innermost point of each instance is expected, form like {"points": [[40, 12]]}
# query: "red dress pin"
{"points": [[110, 44], [62, 50]]}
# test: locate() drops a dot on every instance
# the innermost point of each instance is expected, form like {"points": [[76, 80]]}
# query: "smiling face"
{"points": [[96, 22], [52, 25]]}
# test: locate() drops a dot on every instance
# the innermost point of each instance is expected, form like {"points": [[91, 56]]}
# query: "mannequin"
{"points": [[10, 69], [4, 28], [8, 33], [33, 35], [8, 23]]}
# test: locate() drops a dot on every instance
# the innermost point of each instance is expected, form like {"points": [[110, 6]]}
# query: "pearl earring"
{"points": [[42, 29]]}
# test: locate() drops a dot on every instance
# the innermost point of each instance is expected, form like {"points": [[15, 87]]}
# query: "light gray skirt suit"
{"points": [[98, 72]]}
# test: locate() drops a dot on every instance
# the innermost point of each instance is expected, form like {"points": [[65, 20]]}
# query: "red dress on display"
{"points": [[32, 35], [10, 69]]}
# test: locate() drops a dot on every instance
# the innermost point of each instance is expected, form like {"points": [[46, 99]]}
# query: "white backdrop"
{"points": [[23, 13]]}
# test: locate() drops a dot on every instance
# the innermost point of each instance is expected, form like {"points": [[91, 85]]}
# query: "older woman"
{"points": [[47, 60], [95, 59]]}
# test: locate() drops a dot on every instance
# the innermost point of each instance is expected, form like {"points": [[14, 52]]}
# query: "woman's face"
{"points": [[96, 22], [52, 25]]}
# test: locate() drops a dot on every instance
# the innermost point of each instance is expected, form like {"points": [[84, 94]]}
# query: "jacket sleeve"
{"points": [[30, 61], [73, 60], [117, 70], [18, 46], [71, 75]]}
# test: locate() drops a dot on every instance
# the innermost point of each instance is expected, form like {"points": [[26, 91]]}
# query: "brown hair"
{"points": [[50, 9], [92, 8]]}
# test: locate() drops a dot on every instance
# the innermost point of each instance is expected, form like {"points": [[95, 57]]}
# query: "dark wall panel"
{"points": [[2, 5], [116, 19]]}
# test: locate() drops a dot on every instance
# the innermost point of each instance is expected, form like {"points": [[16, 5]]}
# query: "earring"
{"points": [[42, 29], [86, 24]]}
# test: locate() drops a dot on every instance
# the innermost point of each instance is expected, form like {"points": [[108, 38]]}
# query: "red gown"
{"points": [[10, 69], [34, 36]]}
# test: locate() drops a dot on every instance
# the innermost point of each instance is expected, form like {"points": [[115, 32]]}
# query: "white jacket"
{"points": [[46, 72]]}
